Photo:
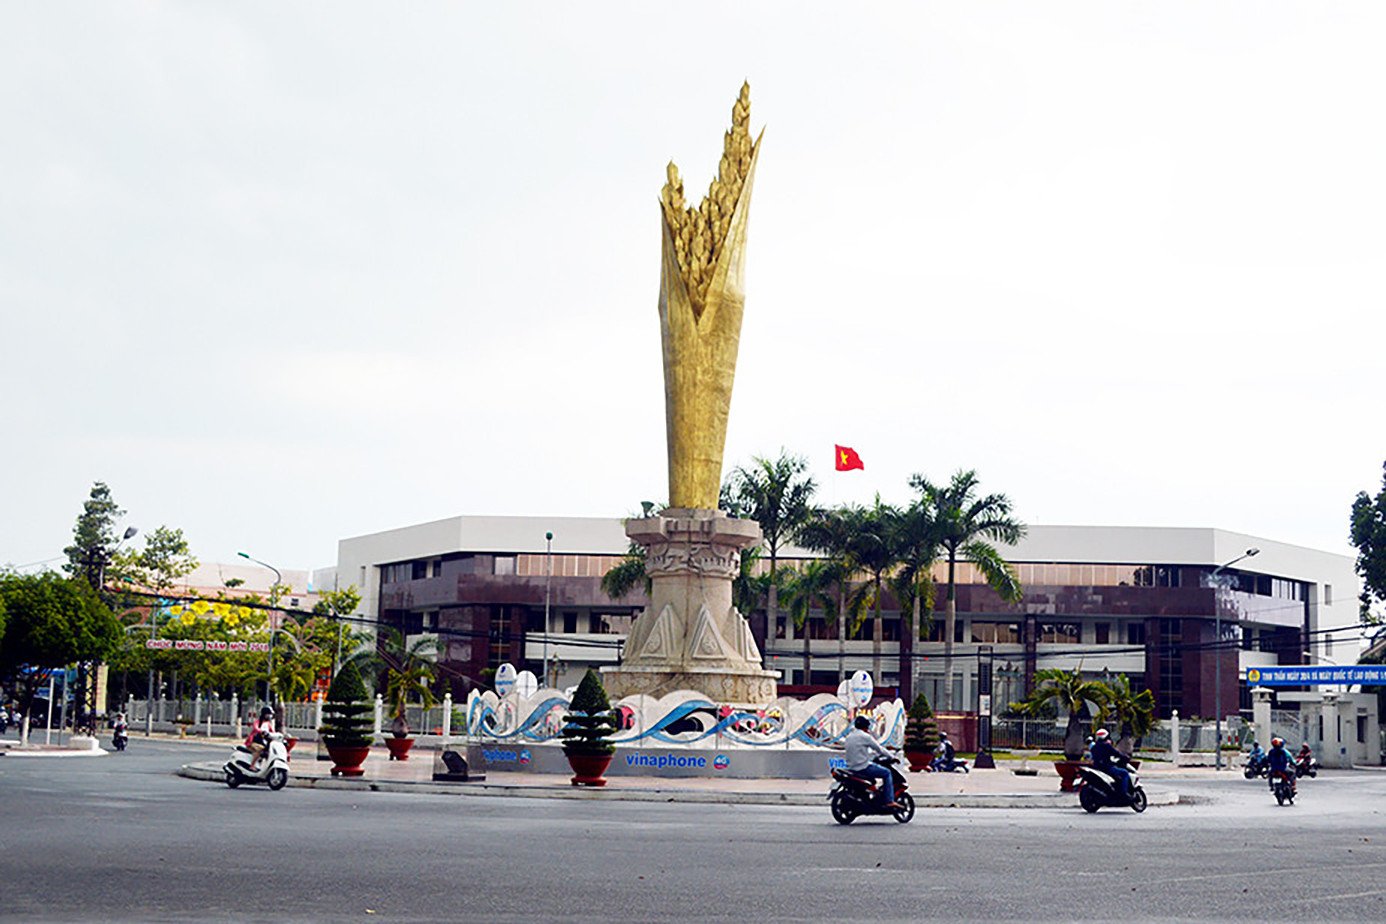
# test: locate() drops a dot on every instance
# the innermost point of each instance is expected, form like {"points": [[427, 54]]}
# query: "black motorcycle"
{"points": [[119, 738], [1101, 789], [1306, 766], [947, 765], [1256, 766], [853, 795], [1284, 788]]}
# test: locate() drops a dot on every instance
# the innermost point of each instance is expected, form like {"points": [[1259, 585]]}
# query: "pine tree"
{"points": [[344, 712], [590, 724], [921, 731]]}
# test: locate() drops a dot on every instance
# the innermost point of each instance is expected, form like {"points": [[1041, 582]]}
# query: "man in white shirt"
{"points": [[861, 750]]}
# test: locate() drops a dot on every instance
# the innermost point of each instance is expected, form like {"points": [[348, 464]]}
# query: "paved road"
{"points": [[121, 838]]}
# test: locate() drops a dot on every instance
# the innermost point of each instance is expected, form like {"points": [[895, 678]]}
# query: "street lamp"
{"points": [[1217, 652], [548, 585], [274, 602]]}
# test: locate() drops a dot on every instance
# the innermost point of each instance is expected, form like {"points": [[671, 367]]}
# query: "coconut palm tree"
{"points": [[410, 669], [916, 539], [830, 534], [1070, 693], [1134, 712], [965, 523], [872, 550], [776, 494], [806, 589]]}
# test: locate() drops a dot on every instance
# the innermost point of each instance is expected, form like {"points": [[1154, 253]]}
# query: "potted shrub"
{"points": [[587, 732], [346, 728], [921, 734], [1069, 692]]}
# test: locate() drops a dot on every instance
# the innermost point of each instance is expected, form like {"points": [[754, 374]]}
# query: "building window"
{"points": [[996, 633], [1135, 633], [505, 566], [394, 574], [418, 570], [1328, 594], [1059, 633], [1102, 633], [437, 567], [570, 622]]}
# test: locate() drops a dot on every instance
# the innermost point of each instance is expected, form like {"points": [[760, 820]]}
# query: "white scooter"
{"points": [[273, 769]]}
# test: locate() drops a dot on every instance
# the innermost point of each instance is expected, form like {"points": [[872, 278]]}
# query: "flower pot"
{"points": [[588, 768], [399, 747], [1068, 772], [347, 761], [919, 760]]}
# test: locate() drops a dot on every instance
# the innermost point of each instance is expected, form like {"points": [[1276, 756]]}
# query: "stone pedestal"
{"points": [[691, 637]]}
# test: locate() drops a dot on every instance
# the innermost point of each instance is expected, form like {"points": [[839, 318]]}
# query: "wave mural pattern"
{"points": [[685, 718]]}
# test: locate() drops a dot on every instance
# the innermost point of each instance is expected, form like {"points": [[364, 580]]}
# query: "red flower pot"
{"points": [[588, 768], [347, 761], [399, 747], [919, 760], [1068, 772]]}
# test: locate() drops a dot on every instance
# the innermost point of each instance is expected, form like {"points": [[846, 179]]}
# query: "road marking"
{"points": [[1329, 898], [1261, 872]]}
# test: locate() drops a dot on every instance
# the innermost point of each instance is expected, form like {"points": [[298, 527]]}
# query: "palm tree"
{"points": [[916, 540], [872, 551], [809, 588], [776, 494], [1134, 712], [829, 533], [1068, 691], [965, 522], [410, 670]]}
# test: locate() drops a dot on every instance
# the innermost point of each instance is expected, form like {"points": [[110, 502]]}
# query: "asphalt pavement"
{"points": [[124, 838]]}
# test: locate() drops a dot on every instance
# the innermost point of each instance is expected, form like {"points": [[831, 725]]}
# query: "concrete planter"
{"points": [[588, 769], [399, 747], [347, 761]]}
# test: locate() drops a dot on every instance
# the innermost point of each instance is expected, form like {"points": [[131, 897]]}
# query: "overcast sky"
{"points": [[281, 274]]}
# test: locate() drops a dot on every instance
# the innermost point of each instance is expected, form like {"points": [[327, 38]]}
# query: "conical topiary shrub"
{"points": [[921, 733], [587, 732], [346, 726]]}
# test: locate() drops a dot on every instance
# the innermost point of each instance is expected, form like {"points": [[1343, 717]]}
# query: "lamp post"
{"points": [[1217, 652], [548, 586], [274, 602]]}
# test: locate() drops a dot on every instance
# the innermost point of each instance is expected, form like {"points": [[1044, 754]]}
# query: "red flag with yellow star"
{"points": [[847, 459]]}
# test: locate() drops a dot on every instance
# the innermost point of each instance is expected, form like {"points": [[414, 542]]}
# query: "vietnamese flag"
{"points": [[847, 459]]}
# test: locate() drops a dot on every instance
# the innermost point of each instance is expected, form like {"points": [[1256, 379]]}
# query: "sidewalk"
{"points": [[999, 788]]}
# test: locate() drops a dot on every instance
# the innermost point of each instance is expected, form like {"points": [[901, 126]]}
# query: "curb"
{"points": [[212, 773]]}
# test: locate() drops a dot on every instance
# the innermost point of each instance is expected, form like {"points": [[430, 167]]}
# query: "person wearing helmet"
{"points": [[259, 736], [1107, 758], [862, 750], [1281, 762], [945, 753]]}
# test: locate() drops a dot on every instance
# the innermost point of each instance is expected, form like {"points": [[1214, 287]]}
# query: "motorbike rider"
{"points": [[1305, 757], [1107, 758], [861, 750], [1280, 762], [259, 736], [1255, 755], [945, 753]]}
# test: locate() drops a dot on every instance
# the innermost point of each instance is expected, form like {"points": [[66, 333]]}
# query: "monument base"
{"points": [[753, 689]]}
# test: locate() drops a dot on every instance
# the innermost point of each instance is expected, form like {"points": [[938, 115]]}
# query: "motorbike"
{"points": [[119, 737], [1256, 766], [1307, 766], [853, 795], [1284, 789], [274, 765], [1101, 789], [943, 765]]}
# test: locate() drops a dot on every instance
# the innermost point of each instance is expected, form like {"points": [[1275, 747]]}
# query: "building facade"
{"points": [[1148, 603]]}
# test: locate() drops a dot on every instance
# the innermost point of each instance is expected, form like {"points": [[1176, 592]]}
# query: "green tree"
{"points": [[164, 560], [337, 605], [829, 533], [345, 710], [590, 724], [51, 621], [409, 669], [965, 522], [777, 494], [916, 538], [1368, 534], [808, 588], [871, 550], [1070, 693], [1134, 712], [93, 537]]}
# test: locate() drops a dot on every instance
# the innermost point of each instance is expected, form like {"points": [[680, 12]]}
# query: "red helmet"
{"points": [[1277, 742]]}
